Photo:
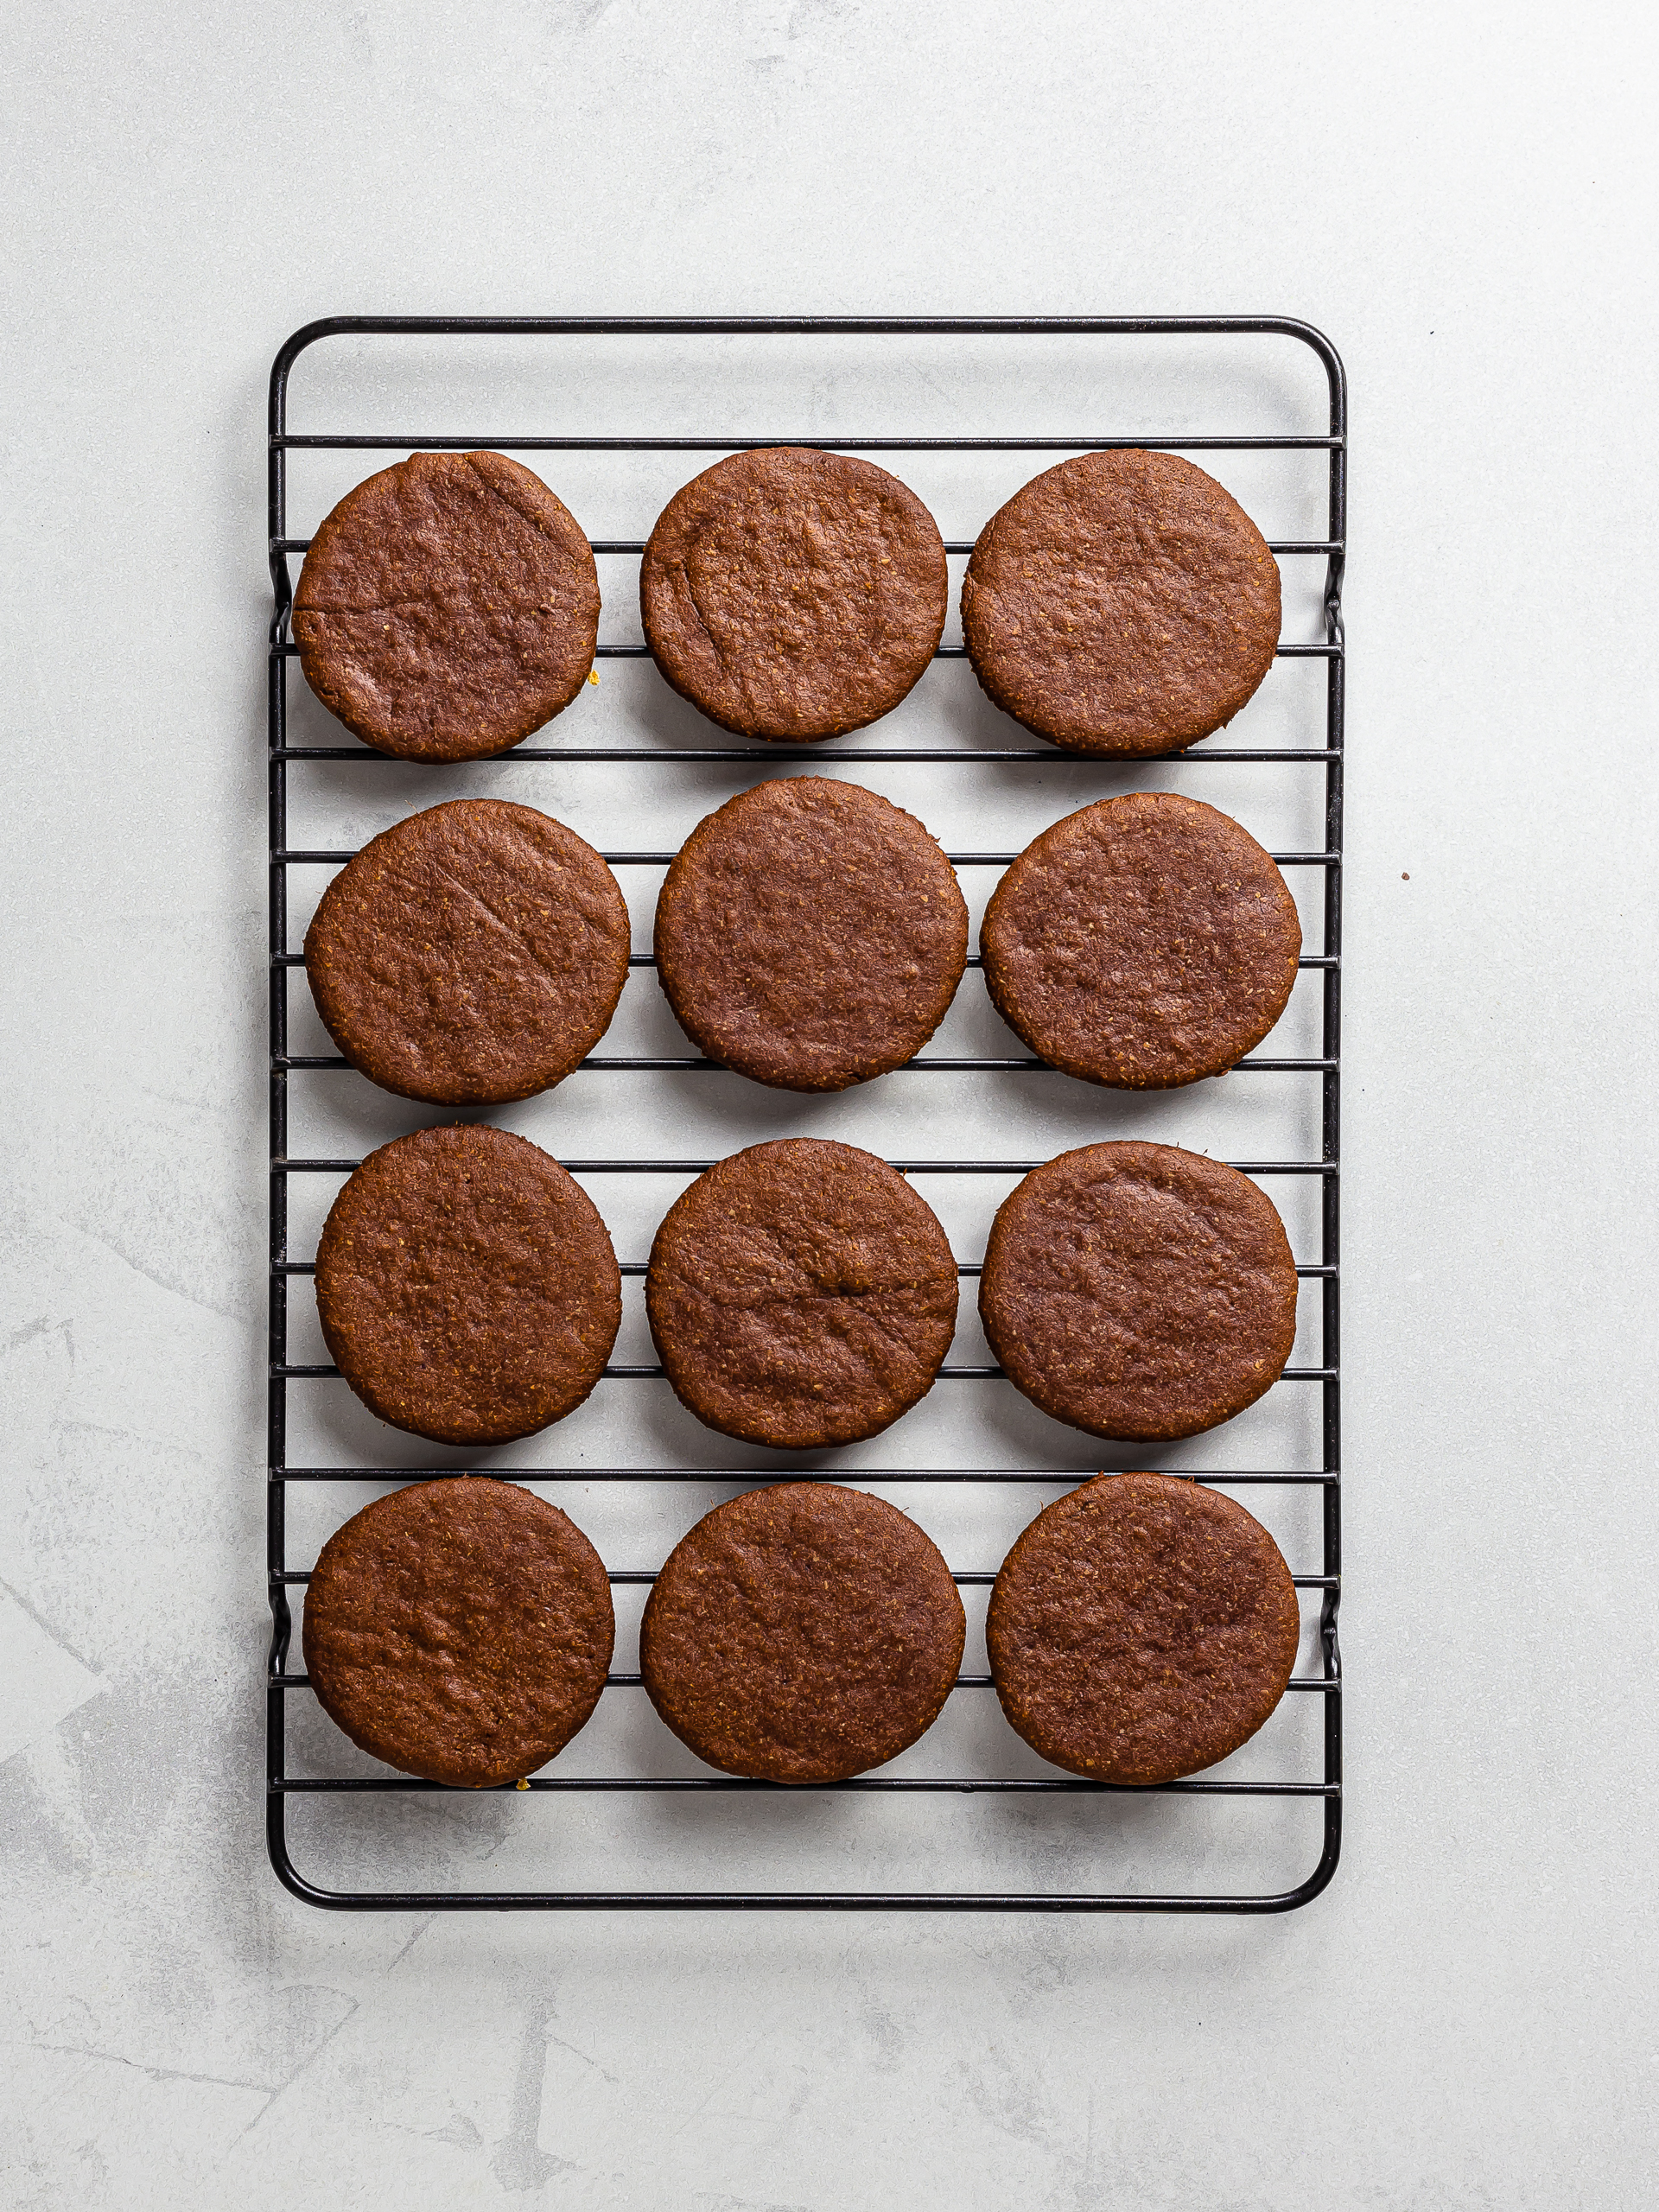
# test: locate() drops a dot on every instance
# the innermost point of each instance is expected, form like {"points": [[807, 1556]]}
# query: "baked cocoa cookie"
{"points": [[810, 934], [792, 593], [801, 1634], [470, 954], [1142, 943], [448, 608], [801, 1294], [1120, 603], [1141, 1628], [1140, 1291], [459, 1630], [466, 1287]]}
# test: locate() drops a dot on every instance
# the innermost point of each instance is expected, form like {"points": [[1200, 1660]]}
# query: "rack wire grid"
{"points": [[282, 1786]]}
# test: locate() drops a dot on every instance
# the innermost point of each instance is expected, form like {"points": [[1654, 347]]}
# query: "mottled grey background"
{"points": [[1459, 197]]}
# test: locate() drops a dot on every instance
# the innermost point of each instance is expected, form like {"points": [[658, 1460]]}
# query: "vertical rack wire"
{"points": [[281, 1683]]}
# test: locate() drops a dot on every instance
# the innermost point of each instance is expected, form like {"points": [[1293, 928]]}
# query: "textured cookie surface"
{"points": [[801, 1294], [1138, 1291], [1144, 942], [448, 608], [459, 1630], [801, 1634], [1141, 1628], [466, 1286], [810, 934], [1121, 603], [792, 594], [470, 954]]}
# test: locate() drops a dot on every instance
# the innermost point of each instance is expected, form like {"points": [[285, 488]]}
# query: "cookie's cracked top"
{"points": [[801, 1294], [448, 608], [792, 593], [1142, 943], [810, 934], [1142, 1629], [801, 1634], [466, 1286], [471, 954], [1121, 603], [1139, 1291], [459, 1630]]}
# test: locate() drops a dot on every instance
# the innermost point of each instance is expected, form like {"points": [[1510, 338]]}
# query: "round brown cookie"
{"points": [[466, 1286], [810, 934], [1120, 603], [448, 608], [1141, 1628], [1137, 1291], [792, 593], [469, 955], [459, 1630], [801, 1634], [801, 1294], [1144, 942]]}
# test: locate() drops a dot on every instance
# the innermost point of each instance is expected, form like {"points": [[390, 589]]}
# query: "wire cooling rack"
{"points": [[281, 1784]]}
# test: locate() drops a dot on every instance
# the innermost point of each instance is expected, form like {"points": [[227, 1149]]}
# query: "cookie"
{"points": [[1142, 943], [801, 1634], [448, 608], [459, 1630], [466, 1287], [1138, 1292], [792, 594], [471, 954], [1141, 1628], [811, 935], [1120, 603], [801, 1294]]}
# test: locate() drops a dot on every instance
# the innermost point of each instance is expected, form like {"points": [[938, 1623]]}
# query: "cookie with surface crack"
{"points": [[792, 593], [466, 1286], [810, 934], [460, 1631], [1139, 1291], [1142, 1629], [471, 954], [448, 608], [801, 1634], [801, 1294], [1141, 943], [1121, 603]]}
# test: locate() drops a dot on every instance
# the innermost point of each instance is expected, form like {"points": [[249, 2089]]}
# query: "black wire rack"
{"points": [[281, 1785]]}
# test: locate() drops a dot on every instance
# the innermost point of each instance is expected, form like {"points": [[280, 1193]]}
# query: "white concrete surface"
{"points": [[1462, 198]]}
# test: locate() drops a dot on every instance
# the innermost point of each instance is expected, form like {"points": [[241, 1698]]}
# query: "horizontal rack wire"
{"points": [[664, 756], [1314, 651], [1064, 1477], [641, 1267], [606, 545], [1328, 651], [962, 1683], [649, 1371], [390, 442], [932, 1066]]}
